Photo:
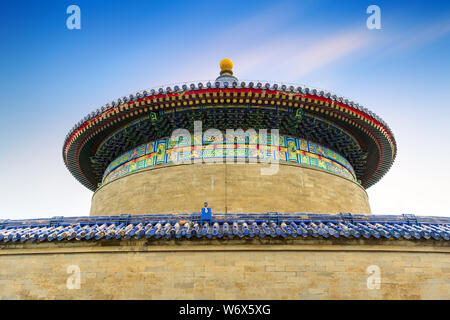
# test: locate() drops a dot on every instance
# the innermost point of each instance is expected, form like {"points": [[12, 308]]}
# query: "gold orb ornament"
{"points": [[226, 66]]}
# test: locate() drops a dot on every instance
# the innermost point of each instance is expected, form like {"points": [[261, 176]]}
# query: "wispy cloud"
{"points": [[419, 36], [296, 56], [291, 55]]}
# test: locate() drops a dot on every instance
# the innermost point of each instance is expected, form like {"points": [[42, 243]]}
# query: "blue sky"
{"points": [[51, 77]]}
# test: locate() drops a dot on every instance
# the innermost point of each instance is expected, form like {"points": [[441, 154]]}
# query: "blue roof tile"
{"points": [[275, 225]]}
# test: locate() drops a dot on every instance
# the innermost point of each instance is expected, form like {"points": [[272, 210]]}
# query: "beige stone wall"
{"points": [[235, 188], [227, 269]]}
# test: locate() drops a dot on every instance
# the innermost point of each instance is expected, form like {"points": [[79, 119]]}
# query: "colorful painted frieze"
{"points": [[168, 151]]}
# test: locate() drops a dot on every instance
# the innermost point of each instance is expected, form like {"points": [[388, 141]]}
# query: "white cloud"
{"points": [[417, 37], [296, 56]]}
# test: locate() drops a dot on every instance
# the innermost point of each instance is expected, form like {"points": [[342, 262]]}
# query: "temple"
{"points": [[328, 150]]}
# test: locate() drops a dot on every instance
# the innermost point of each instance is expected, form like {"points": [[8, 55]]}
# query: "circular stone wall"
{"points": [[237, 188]]}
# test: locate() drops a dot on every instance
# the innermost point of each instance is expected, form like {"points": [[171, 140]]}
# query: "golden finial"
{"points": [[226, 66]]}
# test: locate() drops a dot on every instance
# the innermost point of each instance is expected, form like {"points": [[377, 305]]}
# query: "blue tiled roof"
{"points": [[271, 225]]}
